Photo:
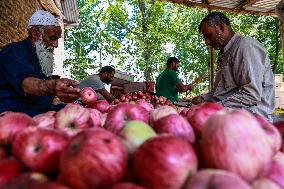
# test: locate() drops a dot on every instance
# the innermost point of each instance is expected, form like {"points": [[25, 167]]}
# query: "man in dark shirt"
{"points": [[26, 69], [168, 84]]}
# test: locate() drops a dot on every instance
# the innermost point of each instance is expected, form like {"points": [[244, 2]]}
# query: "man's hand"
{"points": [[197, 100], [67, 90], [183, 88]]}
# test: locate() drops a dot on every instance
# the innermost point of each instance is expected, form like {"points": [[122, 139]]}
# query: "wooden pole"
{"points": [[282, 37], [211, 68], [211, 65]]}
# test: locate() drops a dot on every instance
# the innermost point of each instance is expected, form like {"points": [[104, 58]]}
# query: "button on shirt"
{"points": [[244, 78], [17, 62]]}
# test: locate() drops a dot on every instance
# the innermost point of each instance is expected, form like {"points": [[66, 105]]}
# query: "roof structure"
{"points": [[254, 7], [257, 7]]}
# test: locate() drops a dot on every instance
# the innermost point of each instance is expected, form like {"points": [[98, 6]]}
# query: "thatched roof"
{"points": [[258, 7]]}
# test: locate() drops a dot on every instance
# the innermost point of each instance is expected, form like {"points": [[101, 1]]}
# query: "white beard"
{"points": [[45, 57]]}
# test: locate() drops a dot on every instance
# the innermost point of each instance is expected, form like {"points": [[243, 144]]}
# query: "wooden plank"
{"points": [[246, 3], [212, 7]]}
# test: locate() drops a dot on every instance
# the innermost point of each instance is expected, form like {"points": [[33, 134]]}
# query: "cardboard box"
{"points": [[278, 78]]}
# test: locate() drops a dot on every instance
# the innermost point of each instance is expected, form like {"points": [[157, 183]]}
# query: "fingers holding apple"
{"points": [[66, 90]]}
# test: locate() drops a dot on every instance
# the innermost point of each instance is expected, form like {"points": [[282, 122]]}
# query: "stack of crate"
{"points": [[279, 91]]}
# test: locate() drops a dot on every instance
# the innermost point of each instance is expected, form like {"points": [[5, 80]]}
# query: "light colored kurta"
{"points": [[244, 78]]}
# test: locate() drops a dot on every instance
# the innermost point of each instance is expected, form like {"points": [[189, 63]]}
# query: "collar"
{"points": [[231, 42], [30, 46]]}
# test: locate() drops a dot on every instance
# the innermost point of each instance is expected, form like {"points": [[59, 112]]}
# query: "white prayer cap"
{"points": [[42, 18]]}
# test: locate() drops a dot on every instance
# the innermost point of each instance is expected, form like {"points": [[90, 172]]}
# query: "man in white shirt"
{"points": [[98, 81], [244, 78]]}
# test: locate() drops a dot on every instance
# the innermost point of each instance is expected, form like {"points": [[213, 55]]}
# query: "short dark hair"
{"points": [[171, 60], [107, 69], [214, 18]]}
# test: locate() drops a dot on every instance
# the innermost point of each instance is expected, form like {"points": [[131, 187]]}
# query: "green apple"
{"points": [[134, 133]]}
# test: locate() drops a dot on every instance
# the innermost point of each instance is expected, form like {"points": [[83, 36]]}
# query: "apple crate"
{"points": [[134, 87], [116, 91], [147, 87]]}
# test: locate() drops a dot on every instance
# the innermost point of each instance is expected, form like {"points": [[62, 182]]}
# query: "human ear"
{"points": [[35, 32]]}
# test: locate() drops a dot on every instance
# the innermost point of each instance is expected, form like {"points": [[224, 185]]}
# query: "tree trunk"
{"points": [[146, 52]]}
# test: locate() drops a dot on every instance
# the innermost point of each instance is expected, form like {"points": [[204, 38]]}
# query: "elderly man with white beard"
{"points": [[26, 83]]}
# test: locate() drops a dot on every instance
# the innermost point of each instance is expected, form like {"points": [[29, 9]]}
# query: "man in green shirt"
{"points": [[168, 83]]}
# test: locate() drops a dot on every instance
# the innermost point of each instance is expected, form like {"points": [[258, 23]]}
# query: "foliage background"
{"points": [[137, 36]]}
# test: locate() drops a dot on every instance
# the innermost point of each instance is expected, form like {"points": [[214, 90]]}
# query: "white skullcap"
{"points": [[42, 18]]}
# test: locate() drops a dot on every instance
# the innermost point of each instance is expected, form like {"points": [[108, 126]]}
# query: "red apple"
{"points": [[72, 119], [95, 158], [48, 185], [88, 95], [176, 125], [3, 153], [264, 183], [96, 117], [143, 103], [233, 140], [10, 124], [45, 120], [120, 114], [134, 96], [101, 105], [122, 98], [25, 181], [103, 119], [219, 179], [160, 112], [273, 135], [198, 114], [165, 162], [116, 101], [183, 111], [126, 185], [140, 94], [9, 169], [280, 126], [39, 149], [276, 170]]}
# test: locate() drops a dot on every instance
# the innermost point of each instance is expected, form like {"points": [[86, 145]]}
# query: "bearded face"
{"points": [[45, 57], [108, 78]]}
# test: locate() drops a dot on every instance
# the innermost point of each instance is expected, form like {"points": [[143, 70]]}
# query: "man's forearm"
{"points": [[39, 87], [183, 88], [109, 97]]}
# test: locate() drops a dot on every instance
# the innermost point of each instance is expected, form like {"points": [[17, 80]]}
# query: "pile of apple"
{"points": [[137, 146], [135, 96]]}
